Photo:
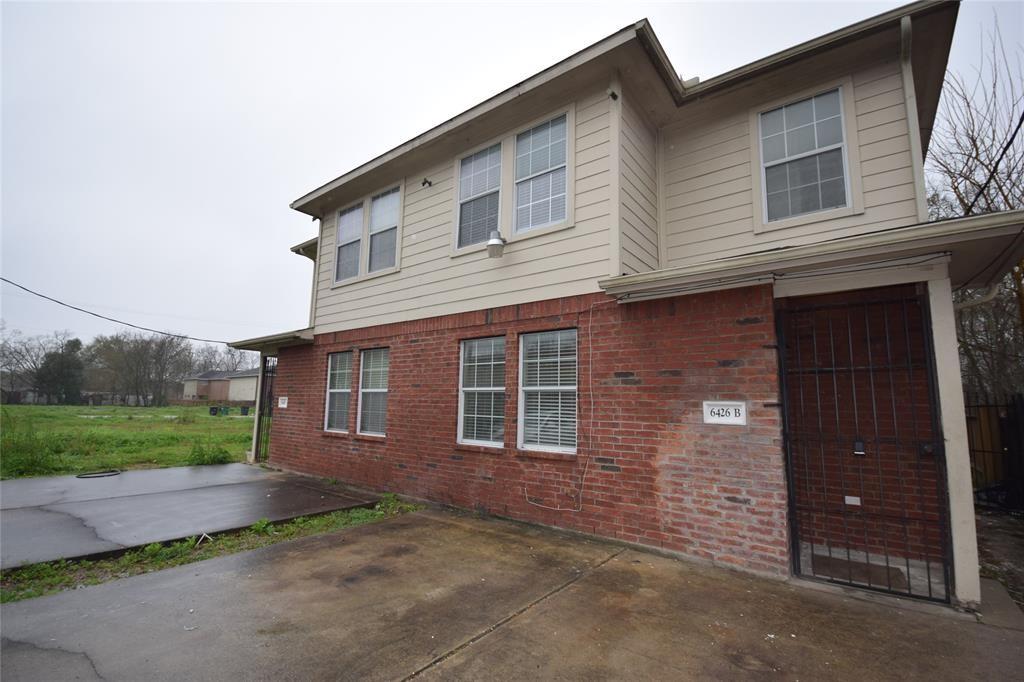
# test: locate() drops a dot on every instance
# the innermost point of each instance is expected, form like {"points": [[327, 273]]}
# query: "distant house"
{"points": [[214, 385], [242, 385]]}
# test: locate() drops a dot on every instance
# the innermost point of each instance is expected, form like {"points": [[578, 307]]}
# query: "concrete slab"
{"points": [[997, 608], [439, 595], [74, 520], [36, 492]]}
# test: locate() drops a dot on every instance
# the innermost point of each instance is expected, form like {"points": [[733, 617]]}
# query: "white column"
{"points": [[251, 455], [967, 588]]}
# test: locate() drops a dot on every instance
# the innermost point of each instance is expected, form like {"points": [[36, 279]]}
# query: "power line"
{"points": [[109, 319], [995, 166]]}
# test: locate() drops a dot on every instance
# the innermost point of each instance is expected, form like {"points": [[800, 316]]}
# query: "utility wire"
{"points": [[109, 319], [995, 166]]}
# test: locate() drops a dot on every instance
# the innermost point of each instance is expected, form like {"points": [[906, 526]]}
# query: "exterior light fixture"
{"points": [[495, 245]]}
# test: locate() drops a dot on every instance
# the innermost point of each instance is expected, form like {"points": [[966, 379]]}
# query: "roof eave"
{"points": [[808, 49], [763, 266], [307, 248], [587, 54], [274, 341]]}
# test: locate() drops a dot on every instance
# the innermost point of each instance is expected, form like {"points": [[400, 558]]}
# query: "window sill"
{"points": [[512, 239], [335, 434], [369, 437], [543, 454], [363, 278], [807, 219], [481, 449]]}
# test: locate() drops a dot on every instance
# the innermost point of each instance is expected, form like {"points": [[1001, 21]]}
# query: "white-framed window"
{"points": [[349, 237], [339, 391], [383, 230], [482, 392], [547, 391], [541, 175], [479, 194], [367, 236], [373, 391], [803, 157]]}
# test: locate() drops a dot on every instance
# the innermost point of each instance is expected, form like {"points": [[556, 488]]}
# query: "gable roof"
{"points": [[642, 32]]}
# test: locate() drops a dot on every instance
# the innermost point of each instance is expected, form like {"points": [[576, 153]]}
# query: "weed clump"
{"points": [[202, 454]]}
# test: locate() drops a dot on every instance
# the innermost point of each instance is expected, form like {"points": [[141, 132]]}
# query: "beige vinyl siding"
{"points": [[708, 192], [638, 191], [431, 282]]}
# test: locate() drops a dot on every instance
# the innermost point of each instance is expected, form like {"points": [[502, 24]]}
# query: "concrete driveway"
{"points": [[436, 595], [42, 519]]}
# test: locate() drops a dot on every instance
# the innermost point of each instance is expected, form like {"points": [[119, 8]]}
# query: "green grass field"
{"points": [[44, 440]]}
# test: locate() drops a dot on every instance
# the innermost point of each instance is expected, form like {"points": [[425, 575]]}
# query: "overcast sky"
{"points": [[150, 151]]}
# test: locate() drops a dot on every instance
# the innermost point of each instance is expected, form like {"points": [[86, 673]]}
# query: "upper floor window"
{"points": [[479, 190], [383, 230], [350, 235], [375, 225], [802, 157], [540, 174]]}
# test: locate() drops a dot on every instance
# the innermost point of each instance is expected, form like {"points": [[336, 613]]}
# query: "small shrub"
{"points": [[263, 526], [208, 454]]}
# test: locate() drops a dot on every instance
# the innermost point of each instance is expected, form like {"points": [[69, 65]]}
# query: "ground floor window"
{"points": [[547, 391], [373, 391], [339, 391], [482, 392]]}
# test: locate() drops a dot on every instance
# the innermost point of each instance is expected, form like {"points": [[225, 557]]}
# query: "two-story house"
{"points": [[709, 317]]}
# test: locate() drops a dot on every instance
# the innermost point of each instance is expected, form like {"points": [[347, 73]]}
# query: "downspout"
{"points": [[990, 293]]}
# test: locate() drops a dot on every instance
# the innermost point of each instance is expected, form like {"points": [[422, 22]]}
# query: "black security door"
{"points": [[865, 459]]}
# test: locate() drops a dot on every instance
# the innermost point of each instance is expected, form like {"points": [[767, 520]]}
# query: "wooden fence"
{"points": [[995, 432]]}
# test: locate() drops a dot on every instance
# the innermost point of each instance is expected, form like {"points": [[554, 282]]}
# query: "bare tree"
{"points": [[22, 357], [977, 117]]}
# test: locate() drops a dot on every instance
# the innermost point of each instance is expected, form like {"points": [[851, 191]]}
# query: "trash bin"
{"points": [[213, 411], [245, 410], [224, 411]]}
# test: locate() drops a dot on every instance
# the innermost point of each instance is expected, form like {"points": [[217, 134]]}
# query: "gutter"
{"points": [[766, 266]]}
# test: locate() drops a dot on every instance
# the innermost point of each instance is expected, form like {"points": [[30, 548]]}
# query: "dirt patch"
{"points": [[1001, 550]]}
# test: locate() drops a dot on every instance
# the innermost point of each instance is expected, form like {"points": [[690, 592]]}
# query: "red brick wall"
{"points": [[647, 469]]}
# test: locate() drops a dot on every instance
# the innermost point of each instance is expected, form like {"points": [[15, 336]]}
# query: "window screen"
{"points": [[541, 175], [548, 390], [339, 390], [383, 230], [479, 183], [482, 391], [350, 231], [802, 151], [373, 391]]}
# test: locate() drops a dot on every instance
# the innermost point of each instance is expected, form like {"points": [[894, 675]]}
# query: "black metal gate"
{"points": [[864, 448], [265, 410]]}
